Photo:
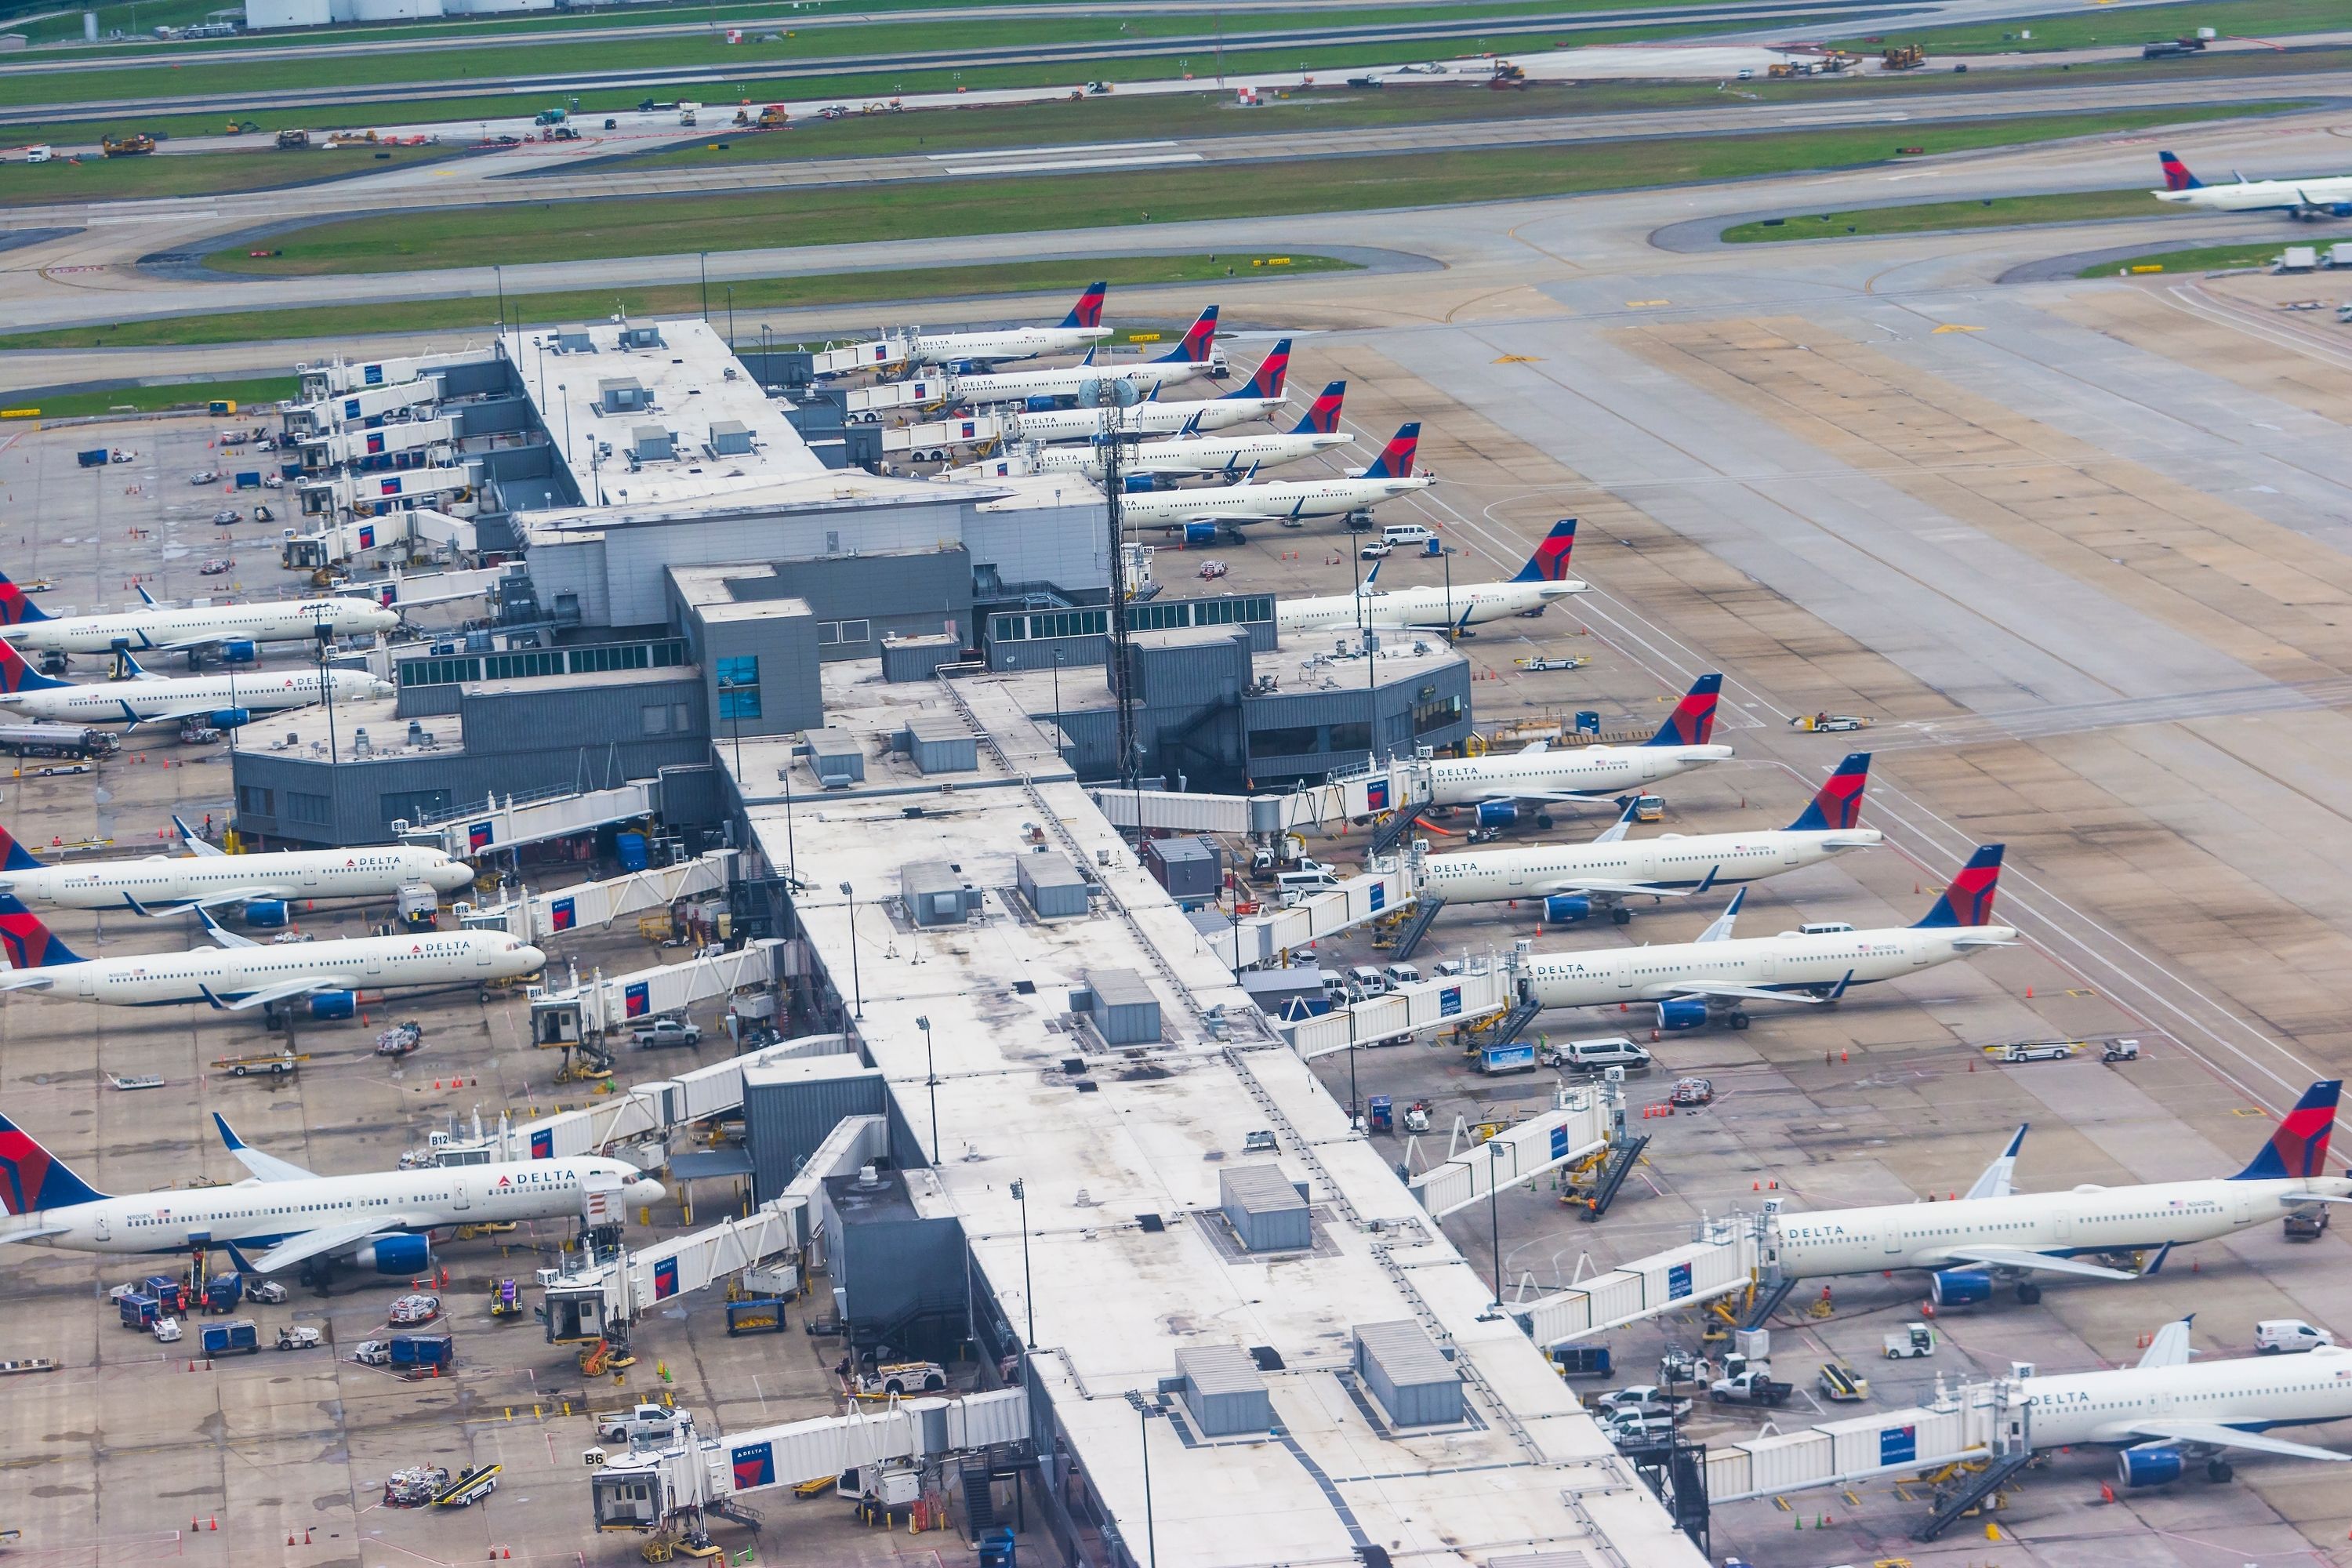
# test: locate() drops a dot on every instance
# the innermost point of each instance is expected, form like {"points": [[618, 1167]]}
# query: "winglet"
{"points": [[2297, 1149], [195, 845], [1837, 804], [1322, 416], [1837, 991], [1371, 576], [1967, 901], [126, 668], [1721, 929], [1617, 829], [2169, 1346], [221, 934], [229, 1134], [1997, 1180], [1549, 562], [15, 609], [2156, 1264], [1692, 719]]}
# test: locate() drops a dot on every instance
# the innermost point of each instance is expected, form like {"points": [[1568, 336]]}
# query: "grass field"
{"points": [[2087, 29], [675, 300], [150, 399], [742, 221], [2198, 258], [205, 173], [1926, 217]]}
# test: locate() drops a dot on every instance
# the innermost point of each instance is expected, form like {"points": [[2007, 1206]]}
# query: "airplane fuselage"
{"points": [[124, 701], [1019, 343], [1791, 962], [1261, 503], [2087, 1220], [1193, 455], [1468, 603], [160, 882], [351, 964], [1582, 770], [1002, 386], [2251, 1393], [257, 1214], [2264, 195], [285, 620], [1672, 861], [1144, 418]]}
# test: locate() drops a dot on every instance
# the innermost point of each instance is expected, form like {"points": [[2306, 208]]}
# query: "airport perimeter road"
{"points": [[558, 171]]}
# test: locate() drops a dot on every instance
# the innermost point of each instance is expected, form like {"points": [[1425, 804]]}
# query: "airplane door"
{"points": [[1625, 975], [310, 876], [459, 1198], [1891, 1242], [481, 957], [86, 989], [103, 1230], [373, 968], [2061, 1225]]}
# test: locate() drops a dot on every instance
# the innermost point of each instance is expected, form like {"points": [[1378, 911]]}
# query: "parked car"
{"points": [[2278, 1336], [218, 567], [668, 1032], [1597, 1055]]}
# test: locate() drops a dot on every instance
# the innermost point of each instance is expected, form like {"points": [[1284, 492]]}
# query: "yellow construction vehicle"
{"points": [[604, 1356], [1903, 57], [774, 117], [128, 146]]}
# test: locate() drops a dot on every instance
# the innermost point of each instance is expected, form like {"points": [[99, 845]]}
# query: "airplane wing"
{"points": [[1720, 931], [2019, 1257], [1554, 795], [213, 900], [195, 845], [268, 1167], [1743, 993], [220, 933], [1998, 1179], [285, 991], [171, 716], [2169, 1346], [1603, 884], [2213, 1435], [326, 1239]]}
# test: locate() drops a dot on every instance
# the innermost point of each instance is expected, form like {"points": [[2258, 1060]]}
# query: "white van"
{"points": [[1408, 535], [37, 155], [2277, 1336], [1593, 1055], [1293, 886], [1402, 974], [1367, 981]]}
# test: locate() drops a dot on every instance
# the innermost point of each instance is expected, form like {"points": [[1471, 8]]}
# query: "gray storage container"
{"points": [[1051, 885], [940, 744], [622, 395], [650, 442], [1222, 1391], [1408, 1373], [729, 438], [1126, 1011], [936, 894], [1266, 1210], [1189, 868], [917, 657], [836, 758]]}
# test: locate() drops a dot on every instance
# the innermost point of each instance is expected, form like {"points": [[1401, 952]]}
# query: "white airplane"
{"points": [[1081, 328], [2330, 196], [1587, 775], [1692, 984], [382, 1221], [1441, 609], [1256, 399], [224, 701], [1195, 357], [1191, 455], [2166, 1412], [207, 879], [1571, 881], [242, 974], [1203, 514], [1997, 1235], [234, 629]]}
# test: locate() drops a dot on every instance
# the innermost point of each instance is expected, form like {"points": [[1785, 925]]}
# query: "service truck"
{"points": [[1753, 1386]]}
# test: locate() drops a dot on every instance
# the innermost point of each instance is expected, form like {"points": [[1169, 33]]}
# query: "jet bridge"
{"points": [[591, 905], [1983, 1422], [912, 441], [404, 531], [648, 1110], [1263, 939], [1408, 1010], [1724, 1256], [511, 822], [1395, 786], [1579, 1125], [875, 354]]}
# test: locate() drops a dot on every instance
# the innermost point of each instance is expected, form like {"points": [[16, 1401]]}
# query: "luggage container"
{"points": [[238, 1336], [1519, 1055], [94, 458], [760, 1316], [423, 1353]]}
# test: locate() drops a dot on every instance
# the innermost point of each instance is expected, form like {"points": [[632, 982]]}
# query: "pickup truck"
{"points": [[1645, 1398], [643, 1421], [1754, 1387], [668, 1032]]}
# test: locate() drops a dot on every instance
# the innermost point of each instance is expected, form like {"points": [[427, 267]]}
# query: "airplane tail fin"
{"points": [[2176, 176], [1200, 341], [1692, 719], [1968, 900], [28, 943], [32, 1179], [2298, 1145], [1396, 461], [17, 858], [15, 609], [1837, 804], [1272, 371], [1549, 562], [1088, 311], [1322, 416], [15, 675]]}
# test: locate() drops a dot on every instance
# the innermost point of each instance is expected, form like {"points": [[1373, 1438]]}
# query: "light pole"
{"points": [[792, 850], [932, 1081], [501, 274], [1028, 1295], [1143, 1409], [706, 288], [1448, 554], [857, 987], [1495, 1213], [1057, 703]]}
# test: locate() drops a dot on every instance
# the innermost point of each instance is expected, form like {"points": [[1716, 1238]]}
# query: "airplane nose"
{"points": [[452, 877], [645, 1190], [532, 959]]}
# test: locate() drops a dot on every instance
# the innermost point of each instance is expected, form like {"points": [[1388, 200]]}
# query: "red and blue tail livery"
{"points": [[1968, 900], [2298, 1147], [1837, 804], [15, 609], [1323, 416], [1271, 371], [32, 1179], [1692, 719], [15, 675], [1088, 311], [28, 943], [1200, 341], [1396, 461], [1549, 562], [2176, 176], [14, 857]]}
